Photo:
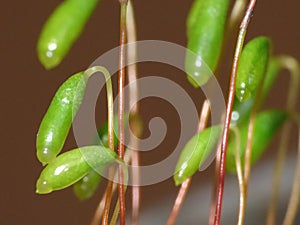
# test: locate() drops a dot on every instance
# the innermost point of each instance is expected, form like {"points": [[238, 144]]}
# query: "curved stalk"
{"points": [[291, 64], [110, 109], [224, 143], [110, 114]]}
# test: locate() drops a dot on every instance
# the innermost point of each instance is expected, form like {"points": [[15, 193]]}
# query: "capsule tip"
{"points": [[43, 187], [177, 182], [45, 156], [192, 82], [48, 56], [179, 178], [47, 62]]}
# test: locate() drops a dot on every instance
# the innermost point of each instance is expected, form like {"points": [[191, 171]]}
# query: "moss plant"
{"points": [[243, 135]]}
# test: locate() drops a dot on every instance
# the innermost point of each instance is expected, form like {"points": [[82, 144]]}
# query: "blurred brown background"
{"points": [[27, 88]]}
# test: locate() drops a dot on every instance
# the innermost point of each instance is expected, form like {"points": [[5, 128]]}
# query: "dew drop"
{"points": [[197, 70], [243, 94]]}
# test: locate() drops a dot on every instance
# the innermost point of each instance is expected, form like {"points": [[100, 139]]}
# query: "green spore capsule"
{"points": [[62, 29], [252, 67], [87, 186], [195, 153], [191, 21], [72, 166], [205, 25], [57, 121], [241, 110], [266, 125]]}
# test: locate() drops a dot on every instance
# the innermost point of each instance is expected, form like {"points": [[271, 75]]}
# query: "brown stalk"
{"points": [[244, 179], [111, 169], [100, 208], [108, 198], [133, 105], [99, 211], [185, 185], [240, 176], [110, 114], [224, 143], [121, 82], [213, 203]]}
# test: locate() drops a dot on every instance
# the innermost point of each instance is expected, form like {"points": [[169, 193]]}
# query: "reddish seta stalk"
{"points": [[133, 106], [121, 82], [186, 184], [224, 143]]}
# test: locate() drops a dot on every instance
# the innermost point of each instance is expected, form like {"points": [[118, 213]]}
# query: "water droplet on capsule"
{"points": [[243, 94]]}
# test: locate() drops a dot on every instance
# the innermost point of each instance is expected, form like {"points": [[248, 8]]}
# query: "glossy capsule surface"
{"points": [[241, 110], [195, 152], [205, 28], [57, 121], [62, 29], [71, 166], [191, 20], [87, 186], [252, 67]]}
